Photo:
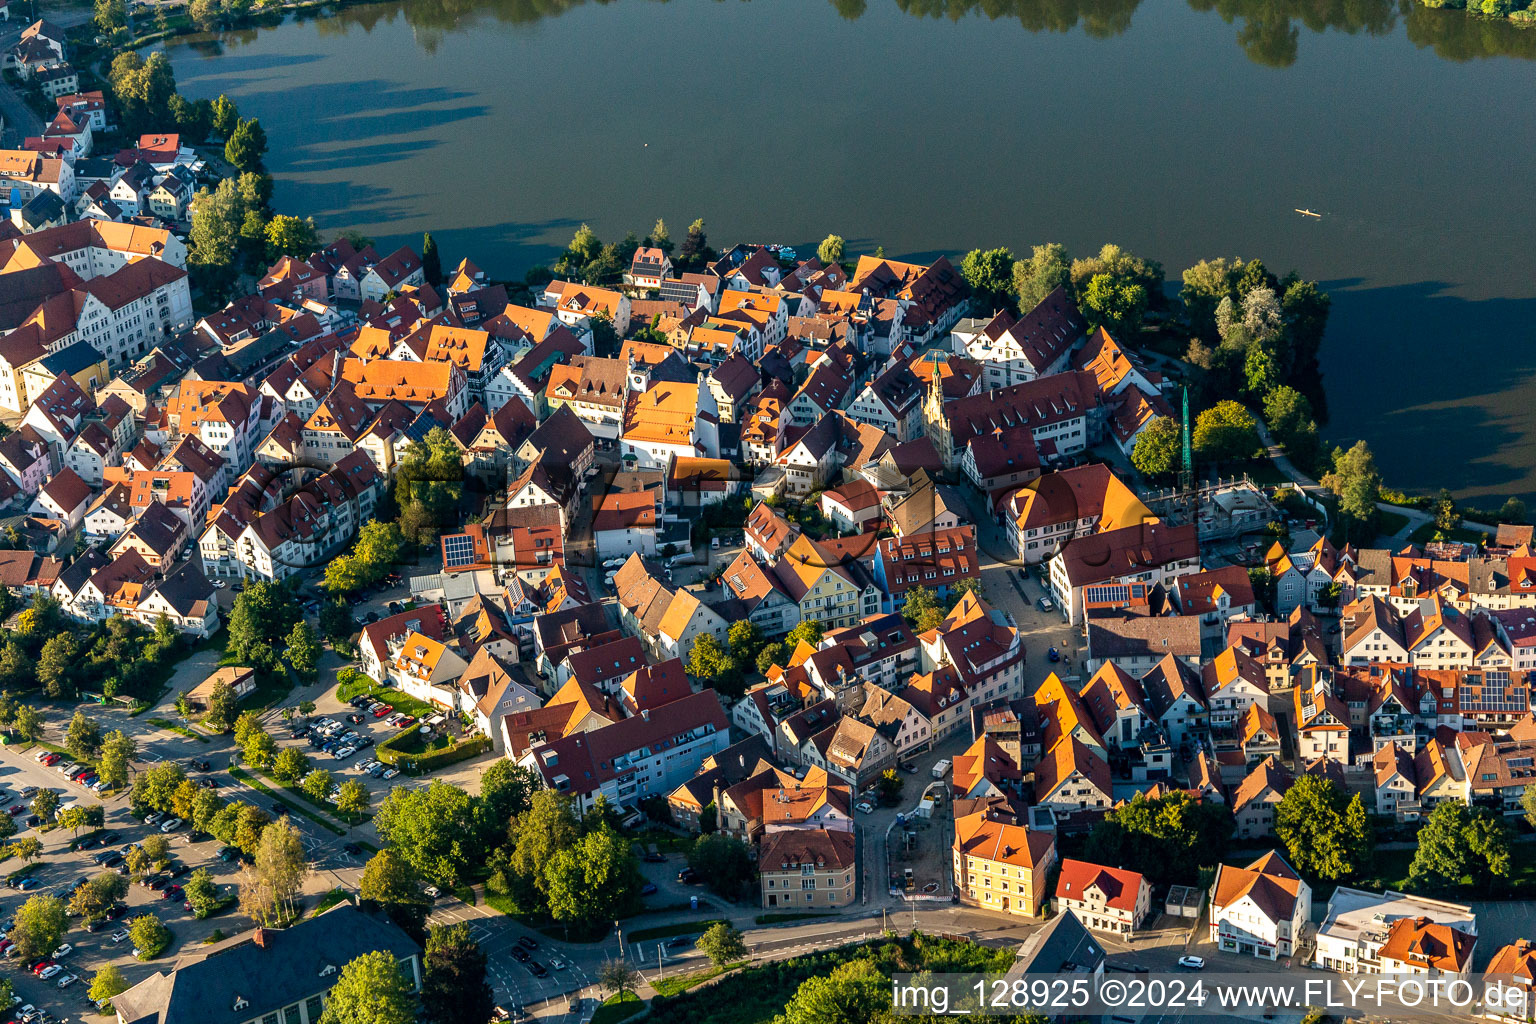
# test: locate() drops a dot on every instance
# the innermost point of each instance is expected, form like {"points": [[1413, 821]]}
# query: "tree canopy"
{"points": [[1325, 831]]}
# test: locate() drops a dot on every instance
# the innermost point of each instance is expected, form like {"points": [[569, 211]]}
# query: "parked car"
{"points": [[67, 980], [1045, 604], [62, 952], [52, 970], [688, 876], [433, 891], [864, 807], [381, 711], [648, 888], [155, 818], [119, 936], [1193, 963], [172, 825]]}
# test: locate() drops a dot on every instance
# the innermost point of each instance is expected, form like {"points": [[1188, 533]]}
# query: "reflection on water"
{"points": [[1268, 31]]}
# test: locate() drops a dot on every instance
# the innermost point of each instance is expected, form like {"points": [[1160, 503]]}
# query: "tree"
{"points": [[247, 145], [290, 765], [695, 245], [1357, 484], [263, 615], [93, 899], [506, 790], [890, 784], [40, 924], [303, 649], [854, 993], [111, 15], [248, 828], [109, 982], [205, 14], [921, 609], [1047, 269], [1205, 285], [389, 880], [1226, 431], [217, 218], [808, 631], [618, 977], [260, 749], [1172, 836], [453, 985], [1446, 516], [1449, 845], [291, 236], [54, 664], [280, 867], [336, 620], [8, 828], [989, 272], [1325, 831], [28, 849], [431, 260], [1512, 511], [83, 737], [1115, 305], [830, 250], [1159, 449], [149, 936], [45, 803], [593, 880], [73, 819], [723, 944], [771, 655], [202, 893], [352, 799], [318, 784], [370, 990], [1289, 416], [157, 849], [29, 722], [1528, 804], [660, 238], [722, 861], [708, 660], [745, 640], [432, 828]]}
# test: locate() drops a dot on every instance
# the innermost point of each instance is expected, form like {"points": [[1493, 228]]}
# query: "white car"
{"points": [[62, 952], [68, 980], [51, 972], [172, 825], [559, 963], [342, 753], [433, 891], [864, 806], [119, 935], [1194, 963], [155, 819]]}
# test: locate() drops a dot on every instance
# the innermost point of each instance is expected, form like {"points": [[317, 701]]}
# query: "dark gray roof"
{"points": [[1061, 947], [72, 359], [287, 967]]}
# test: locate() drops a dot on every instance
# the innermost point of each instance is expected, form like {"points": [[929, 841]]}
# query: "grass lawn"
{"points": [[465, 893], [668, 930], [1426, 533], [180, 730], [329, 900], [501, 904], [680, 983], [256, 783], [1390, 522], [617, 1008]]}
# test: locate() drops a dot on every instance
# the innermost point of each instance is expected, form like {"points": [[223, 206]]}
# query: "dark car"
{"points": [[210, 783], [108, 838], [88, 843], [116, 911], [112, 860], [33, 821], [688, 876], [654, 857], [17, 809], [279, 810], [177, 870], [528, 942], [647, 888], [357, 718], [353, 849], [537, 970], [520, 954], [171, 892]]}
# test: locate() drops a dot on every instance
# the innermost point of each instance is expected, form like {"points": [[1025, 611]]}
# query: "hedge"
{"points": [[431, 760]]}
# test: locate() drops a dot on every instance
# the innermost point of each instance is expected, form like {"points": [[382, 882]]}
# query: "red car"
{"points": [[16, 809], [170, 892], [382, 711], [52, 758], [41, 966], [405, 720]]}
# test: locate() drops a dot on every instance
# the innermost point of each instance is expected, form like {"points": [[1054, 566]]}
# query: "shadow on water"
{"points": [[1419, 413]]}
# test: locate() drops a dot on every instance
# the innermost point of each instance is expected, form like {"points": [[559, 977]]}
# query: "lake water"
{"points": [[1179, 130]]}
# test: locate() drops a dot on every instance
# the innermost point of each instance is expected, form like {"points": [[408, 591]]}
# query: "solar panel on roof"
{"points": [[458, 550]]}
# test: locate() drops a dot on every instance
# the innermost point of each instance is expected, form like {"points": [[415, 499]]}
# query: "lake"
{"points": [[1179, 130]]}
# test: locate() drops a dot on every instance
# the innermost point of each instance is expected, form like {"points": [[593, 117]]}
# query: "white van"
{"points": [[941, 769]]}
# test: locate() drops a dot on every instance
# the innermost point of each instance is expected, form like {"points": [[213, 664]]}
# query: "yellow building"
{"points": [[1002, 866]]}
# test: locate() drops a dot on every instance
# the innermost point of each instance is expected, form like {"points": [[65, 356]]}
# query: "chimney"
{"points": [[260, 937]]}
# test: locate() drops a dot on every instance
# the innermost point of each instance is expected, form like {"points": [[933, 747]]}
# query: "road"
{"points": [[21, 121]]}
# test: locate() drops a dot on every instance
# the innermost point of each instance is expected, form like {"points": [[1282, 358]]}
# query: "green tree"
{"points": [[353, 798], [889, 784], [808, 631], [290, 765], [108, 983], [205, 14], [771, 655], [1127, 277], [223, 707], [111, 15], [1456, 843], [27, 849], [29, 723], [1446, 516], [1512, 511], [202, 893], [45, 803], [707, 660], [1528, 804], [593, 880], [247, 145], [431, 260], [433, 829], [217, 216], [989, 272], [660, 238], [149, 936], [55, 662], [291, 236], [1225, 432], [921, 609], [93, 899], [1357, 484], [723, 944], [1260, 371], [745, 640], [280, 866], [506, 790], [249, 827], [830, 250], [854, 993], [617, 977], [1159, 448], [336, 620], [371, 990], [1205, 285], [1113, 304], [303, 651], [453, 985], [1168, 838], [391, 882], [695, 246], [722, 861], [1289, 416], [546, 828], [1326, 832], [260, 749], [8, 827], [263, 615], [318, 784], [1047, 269], [83, 737], [40, 924]]}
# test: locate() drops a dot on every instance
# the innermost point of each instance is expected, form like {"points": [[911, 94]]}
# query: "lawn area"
{"points": [[1426, 533], [329, 900], [1390, 522], [680, 983], [388, 695], [180, 730], [668, 930], [256, 783], [617, 1008], [298, 793]]}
